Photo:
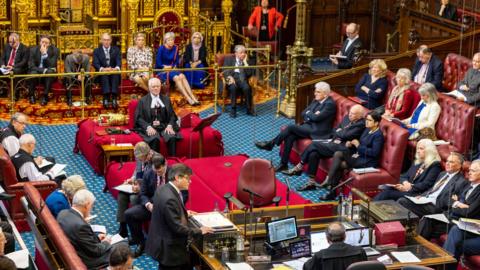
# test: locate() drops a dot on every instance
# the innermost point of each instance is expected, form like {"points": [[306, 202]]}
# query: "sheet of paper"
{"points": [[296, 264], [469, 227], [57, 169], [20, 258], [365, 170], [420, 200], [338, 56], [239, 266], [439, 217], [127, 188], [214, 220], [405, 257], [44, 163], [99, 228], [124, 144], [117, 238], [4, 71], [385, 259], [440, 142]]}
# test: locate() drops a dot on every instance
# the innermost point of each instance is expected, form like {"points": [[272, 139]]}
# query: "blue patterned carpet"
{"points": [[238, 135]]}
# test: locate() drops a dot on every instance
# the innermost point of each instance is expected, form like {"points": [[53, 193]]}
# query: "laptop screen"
{"points": [[281, 230], [354, 237]]}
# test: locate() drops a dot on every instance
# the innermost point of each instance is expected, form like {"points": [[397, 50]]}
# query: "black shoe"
{"points": [[32, 99], [328, 197], [293, 171], [281, 167], [114, 103], [265, 145], [6, 197], [139, 250], [44, 101], [233, 113], [307, 186], [106, 104]]}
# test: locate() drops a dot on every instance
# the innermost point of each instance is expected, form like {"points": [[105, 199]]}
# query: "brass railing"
{"points": [[217, 70]]}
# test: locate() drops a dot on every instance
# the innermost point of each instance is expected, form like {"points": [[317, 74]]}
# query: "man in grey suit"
{"points": [[169, 231], [92, 249], [237, 79], [469, 87], [75, 62]]}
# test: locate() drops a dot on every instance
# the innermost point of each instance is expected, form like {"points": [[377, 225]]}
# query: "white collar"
{"points": [[175, 187]]}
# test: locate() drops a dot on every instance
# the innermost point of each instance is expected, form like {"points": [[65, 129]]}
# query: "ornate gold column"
{"points": [[194, 11], [123, 25], [132, 20], [297, 55], [227, 6], [21, 25]]}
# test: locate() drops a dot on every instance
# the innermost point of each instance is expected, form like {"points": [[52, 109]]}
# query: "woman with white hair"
{"points": [[61, 198], [196, 57], [139, 58], [426, 113], [401, 101], [419, 178], [168, 58]]}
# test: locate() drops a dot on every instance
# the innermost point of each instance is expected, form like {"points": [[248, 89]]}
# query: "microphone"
{"points": [[252, 192], [229, 197]]}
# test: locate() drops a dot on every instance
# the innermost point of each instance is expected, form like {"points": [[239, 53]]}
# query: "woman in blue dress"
{"points": [[168, 58], [373, 85], [196, 57]]}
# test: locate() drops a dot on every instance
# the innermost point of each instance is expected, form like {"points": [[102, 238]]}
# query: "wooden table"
{"points": [[110, 151], [429, 253]]}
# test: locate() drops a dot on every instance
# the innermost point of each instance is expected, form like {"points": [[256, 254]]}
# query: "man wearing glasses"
{"points": [[14, 58], [169, 233], [10, 134], [344, 58]]}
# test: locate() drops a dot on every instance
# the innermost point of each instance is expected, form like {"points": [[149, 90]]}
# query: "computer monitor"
{"points": [[354, 237], [281, 230]]}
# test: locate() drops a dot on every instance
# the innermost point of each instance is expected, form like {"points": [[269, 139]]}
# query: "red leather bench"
{"points": [[12, 186], [53, 249], [89, 143], [455, 67], [390, 163]]}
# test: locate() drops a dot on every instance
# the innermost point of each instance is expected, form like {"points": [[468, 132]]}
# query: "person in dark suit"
{"points": [[468, 206], [349, 129], [237, 79], [141, 212], [195, 56], [351, 45], [469, 87], [361, 153], [43, 60], [419, 178], [155, 118], [92, 249], [169, 231], [318, 118], [447, 10], [428, 68], [108, 58], [465, 205], [75, 62], [339, 255], [448, 183], [14, 58]]}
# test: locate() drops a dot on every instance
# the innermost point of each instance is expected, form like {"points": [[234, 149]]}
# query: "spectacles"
{"points": [[21, 123]]}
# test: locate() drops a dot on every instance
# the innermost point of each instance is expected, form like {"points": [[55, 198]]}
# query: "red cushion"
{"points": [[454, 68], [473, 262]]}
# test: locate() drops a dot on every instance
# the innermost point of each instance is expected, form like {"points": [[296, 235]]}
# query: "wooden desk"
{"points": [[110, 151]]}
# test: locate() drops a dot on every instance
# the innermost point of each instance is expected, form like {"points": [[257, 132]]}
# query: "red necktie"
{"points": [[12, 57]]}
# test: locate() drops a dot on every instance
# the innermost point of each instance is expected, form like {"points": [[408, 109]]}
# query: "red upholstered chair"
{"points": [[53, 249], [454, 69], [253, 35], [12, 186], [170, 21], [258, 176]]}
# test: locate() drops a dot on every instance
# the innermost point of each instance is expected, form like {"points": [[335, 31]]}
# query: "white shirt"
{"points": [[422, 74], [11, 144], [435, 194], [178, 190], [350, 42], [156, 102], [31, 172]]}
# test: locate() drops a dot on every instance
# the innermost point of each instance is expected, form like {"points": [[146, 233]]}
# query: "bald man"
{"points": [[350, 46], [107, 58], [350, 128], [469, 88]]}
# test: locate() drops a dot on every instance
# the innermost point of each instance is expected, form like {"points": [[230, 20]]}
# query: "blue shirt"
{"points": [[56, 202]]}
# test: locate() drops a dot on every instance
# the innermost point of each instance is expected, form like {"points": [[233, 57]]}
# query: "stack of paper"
{"points": [[127, 188], [365, 170], [420, 199], [20, 258], [239, 266], [405, 257]]}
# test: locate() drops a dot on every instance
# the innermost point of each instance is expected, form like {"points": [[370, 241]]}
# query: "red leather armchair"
{"points": [[12, 186], [454, 69], [53, 249], [258, 176]]}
